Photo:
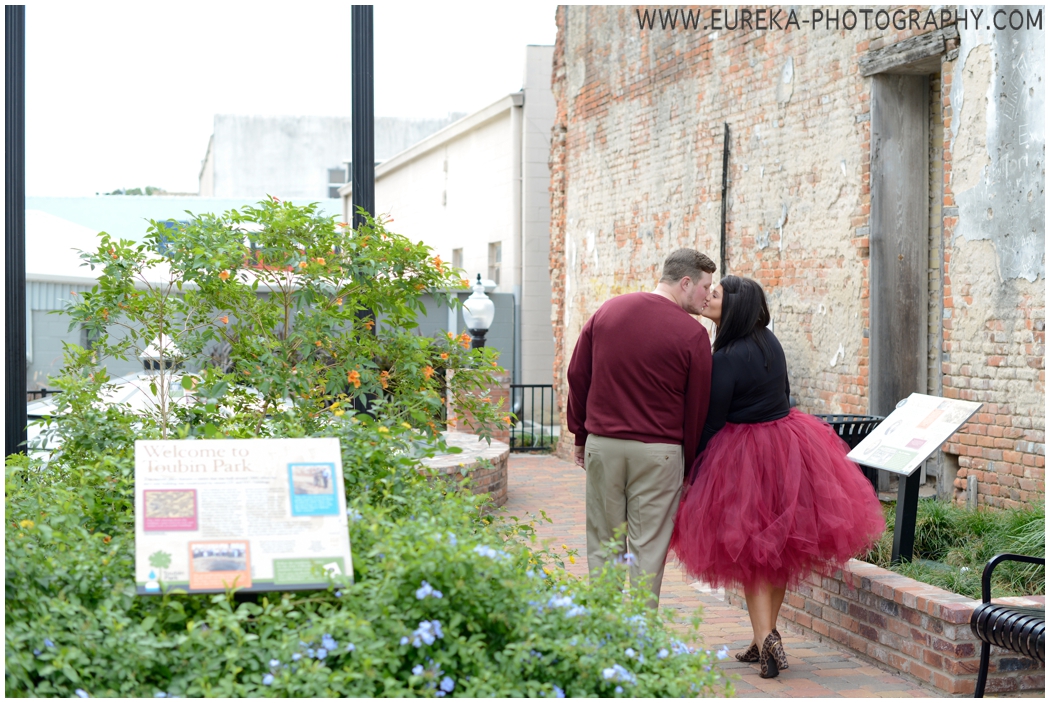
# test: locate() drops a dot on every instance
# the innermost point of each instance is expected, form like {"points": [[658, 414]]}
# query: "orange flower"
{"points": [[318, 342], [444, 355], [105, 314], [428, 371], [355, 378], [508, 420], [338, 301], [225, 319], [451, 336], [369, 324], [464, 340], [437, 262], [275, 198], [302, 264], [384, 378], [343, 224], [106, 539], [464, 283], [223, 275], [320, 260]]}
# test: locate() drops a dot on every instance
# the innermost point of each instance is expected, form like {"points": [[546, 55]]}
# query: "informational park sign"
{"points": [[250, 514], [917, 428]]}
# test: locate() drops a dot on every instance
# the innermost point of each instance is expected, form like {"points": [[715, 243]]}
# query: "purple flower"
{"points": [[81, 693], [447, 684], [268, 679]]}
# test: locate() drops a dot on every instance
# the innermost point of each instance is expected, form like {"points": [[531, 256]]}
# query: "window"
{"points": [[495, 260], [336, 180], [457, 258]]}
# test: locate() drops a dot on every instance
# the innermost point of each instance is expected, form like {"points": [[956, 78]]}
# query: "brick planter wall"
{"points": [[485, 464], [916, 628]]}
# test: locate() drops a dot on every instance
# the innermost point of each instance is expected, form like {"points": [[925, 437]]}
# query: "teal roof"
{"points": [[125, 216]]}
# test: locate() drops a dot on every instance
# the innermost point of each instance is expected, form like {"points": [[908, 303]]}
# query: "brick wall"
{"points": [[915, 628], [636, 167]]}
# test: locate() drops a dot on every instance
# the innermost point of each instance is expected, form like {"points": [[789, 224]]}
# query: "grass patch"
{"points": [[960, 541]]}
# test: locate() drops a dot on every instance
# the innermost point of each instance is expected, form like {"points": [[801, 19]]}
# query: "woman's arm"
{"points": [[722, 384]]}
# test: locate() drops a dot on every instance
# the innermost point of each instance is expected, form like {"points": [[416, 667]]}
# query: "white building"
{"points": [[477, 193], [251, 156]]}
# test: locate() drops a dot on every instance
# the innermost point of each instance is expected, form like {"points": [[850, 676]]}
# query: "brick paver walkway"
{"points": [[817, 670]]}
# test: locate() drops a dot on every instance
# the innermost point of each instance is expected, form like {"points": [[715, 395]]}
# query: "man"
{"points": [[639, 382]]}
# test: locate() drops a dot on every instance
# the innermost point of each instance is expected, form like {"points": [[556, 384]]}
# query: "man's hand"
{"points": [[577, 456]]}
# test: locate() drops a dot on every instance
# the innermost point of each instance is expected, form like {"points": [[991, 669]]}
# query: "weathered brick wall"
{"points": [[636, 169], [993, 271]]}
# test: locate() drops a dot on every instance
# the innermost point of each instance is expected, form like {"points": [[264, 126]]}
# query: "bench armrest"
{"points": [[986, 577]]}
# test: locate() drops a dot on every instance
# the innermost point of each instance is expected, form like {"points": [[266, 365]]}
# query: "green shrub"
{"points": [[446, 598], [512, 623], [953, 544]]}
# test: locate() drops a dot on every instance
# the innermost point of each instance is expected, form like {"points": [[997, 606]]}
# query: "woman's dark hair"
{"points": [[744, 314]]}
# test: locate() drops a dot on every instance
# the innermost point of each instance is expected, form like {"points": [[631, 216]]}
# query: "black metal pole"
{"points": [[725, 192], [362, 113], [362, 135], [904, 526], [15, 227]]}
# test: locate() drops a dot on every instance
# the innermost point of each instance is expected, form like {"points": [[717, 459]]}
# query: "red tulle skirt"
{"points": [[772, 501]]}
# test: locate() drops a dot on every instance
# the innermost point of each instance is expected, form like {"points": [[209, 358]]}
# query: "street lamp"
{"points": [[478, 312]]}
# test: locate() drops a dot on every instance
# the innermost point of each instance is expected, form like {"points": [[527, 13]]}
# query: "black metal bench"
{"points": [[1021, 630]]}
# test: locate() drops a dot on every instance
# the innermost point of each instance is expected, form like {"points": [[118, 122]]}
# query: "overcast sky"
{"points": [[122, 95]]}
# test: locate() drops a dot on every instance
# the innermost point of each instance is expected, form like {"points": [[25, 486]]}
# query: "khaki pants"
{"points": [[638, 484]]}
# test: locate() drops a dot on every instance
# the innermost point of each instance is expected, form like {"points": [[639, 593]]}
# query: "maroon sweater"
{"points": [[641, 370]]}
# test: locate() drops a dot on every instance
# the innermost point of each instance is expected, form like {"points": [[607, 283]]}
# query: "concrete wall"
{"points": [[537, 337], [636, 169], [289, 156]]}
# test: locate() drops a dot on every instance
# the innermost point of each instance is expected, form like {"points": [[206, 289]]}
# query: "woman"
{"points": [[772, 494]]}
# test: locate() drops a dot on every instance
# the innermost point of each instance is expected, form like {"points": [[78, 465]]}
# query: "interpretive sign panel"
{"points": [[250, 514], [915, 430]]}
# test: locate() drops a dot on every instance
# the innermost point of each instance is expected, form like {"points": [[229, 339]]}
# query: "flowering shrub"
{"points": [[446, 599]]}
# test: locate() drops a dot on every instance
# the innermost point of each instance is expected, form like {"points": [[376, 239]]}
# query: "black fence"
{"points": [[537, 421]]}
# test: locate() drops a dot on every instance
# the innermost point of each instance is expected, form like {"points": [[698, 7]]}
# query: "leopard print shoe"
{"points": [[749, 655], [767, 663], [778, 651]]}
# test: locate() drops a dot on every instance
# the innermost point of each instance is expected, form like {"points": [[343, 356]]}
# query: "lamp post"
{"points": [[478, 312]]}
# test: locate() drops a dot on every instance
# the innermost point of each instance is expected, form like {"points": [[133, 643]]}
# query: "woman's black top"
{"points": [[746, 387]]}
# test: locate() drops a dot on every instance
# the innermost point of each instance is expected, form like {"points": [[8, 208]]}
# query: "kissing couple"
{"points": [[769, 494]]}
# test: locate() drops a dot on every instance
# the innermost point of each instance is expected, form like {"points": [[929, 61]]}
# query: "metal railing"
{"points": [[40, 393], [537, 426]]}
